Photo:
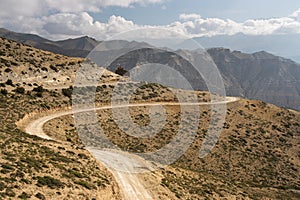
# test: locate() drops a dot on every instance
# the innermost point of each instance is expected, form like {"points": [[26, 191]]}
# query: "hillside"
{"points": [[31, 167], [260, 76], [25, 66], [79, 47], [256, 157]]}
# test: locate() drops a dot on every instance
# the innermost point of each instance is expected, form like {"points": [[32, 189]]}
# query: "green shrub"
{"points": [[2, 186], [9, 192], [44, 69], [24, 195], [20, 90], [121, 71], [67, 92], [54, 68], [38, 89], [85, 184], [4, 92], [40, 196], [9, 82], [50, 182], [7, 70]]}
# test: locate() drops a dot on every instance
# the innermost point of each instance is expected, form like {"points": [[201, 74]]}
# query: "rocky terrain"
{"points": [[285, 45], [31, 167], [79, 47], [256, 157], [261, 75], [27, 67]]}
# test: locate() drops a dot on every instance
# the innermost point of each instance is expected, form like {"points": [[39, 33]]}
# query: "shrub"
{"points": [[20, 90], [9, 82], [121, 71], [54, 68], [9, 192], [67, 92], [40, 196], [7, 70], [50, 182], [39, 94], [3, 92], [38, 89], [2, 186], [24, 195], [14, 63], [44, 69], [85, 184]]}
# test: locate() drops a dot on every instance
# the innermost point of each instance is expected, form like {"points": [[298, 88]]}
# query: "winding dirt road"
{"points": [[123, 162]]}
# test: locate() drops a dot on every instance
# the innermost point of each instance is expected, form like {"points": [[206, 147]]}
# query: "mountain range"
{"points": [[79, 47], [259, 75], [286, 45]]}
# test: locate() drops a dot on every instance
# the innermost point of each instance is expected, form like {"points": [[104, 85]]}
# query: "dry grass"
{"points": [[257, 154], [256, 157]]}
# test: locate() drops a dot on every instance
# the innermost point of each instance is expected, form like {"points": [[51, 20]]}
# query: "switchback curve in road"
{"points": [[128, 182]]}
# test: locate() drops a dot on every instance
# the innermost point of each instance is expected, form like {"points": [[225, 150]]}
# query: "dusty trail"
{"points": [[120, 164]]}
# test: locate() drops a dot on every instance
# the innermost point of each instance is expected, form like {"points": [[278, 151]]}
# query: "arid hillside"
{"points": [[256, 157], [30, 167]]}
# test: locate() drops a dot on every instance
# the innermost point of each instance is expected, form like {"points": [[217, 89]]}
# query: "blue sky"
{"points": [[61, 19], [238, 10]]}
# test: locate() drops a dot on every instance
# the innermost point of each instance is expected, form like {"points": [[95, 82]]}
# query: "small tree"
{"points": [[121, 71], [7, 70], [67, 91], [9, 82]]}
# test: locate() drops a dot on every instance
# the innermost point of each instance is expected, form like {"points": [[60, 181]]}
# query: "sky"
{"points": [[101, 19]]}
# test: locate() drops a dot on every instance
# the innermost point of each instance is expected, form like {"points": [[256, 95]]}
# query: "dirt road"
{"points": [[120, 164]]}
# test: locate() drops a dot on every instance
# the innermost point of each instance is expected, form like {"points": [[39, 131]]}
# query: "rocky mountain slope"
{"points": [[79, 47], [261, 75], [285, 45]]}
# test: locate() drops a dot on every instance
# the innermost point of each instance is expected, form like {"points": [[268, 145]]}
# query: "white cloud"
{"points": [[296, 15], [13, 8], [195, 26], [27, 8], [189, 16], [70, 18], [60, 19], [38, 7], [74, 5], [68, 25]]}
